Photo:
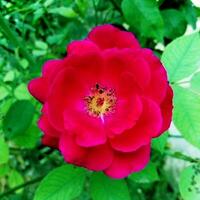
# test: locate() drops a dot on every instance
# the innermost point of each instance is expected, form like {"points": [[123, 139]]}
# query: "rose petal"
{"points": [[147, 126], [50, 141], [126, 163], [118, 62], [82, 46], [125, 116], [158, 85], [86, 157], [108, 36], [89, 131], [66, 89], [166, 109], [46, 127], [38, 88], [51, 68]]}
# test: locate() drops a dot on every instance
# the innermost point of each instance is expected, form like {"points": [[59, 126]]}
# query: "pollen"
{"points": [[100, 102]]}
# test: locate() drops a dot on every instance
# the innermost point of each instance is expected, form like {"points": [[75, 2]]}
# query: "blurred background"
{"points": [[32, 32]]}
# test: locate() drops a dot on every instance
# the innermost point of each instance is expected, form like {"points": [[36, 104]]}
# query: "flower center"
{"points": [[101, 101]]}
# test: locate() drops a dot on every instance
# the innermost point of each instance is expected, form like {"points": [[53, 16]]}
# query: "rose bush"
{"points": [[104, 102]]}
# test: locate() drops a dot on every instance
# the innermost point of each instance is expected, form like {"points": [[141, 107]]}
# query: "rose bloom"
{"points": [[104, 102]]}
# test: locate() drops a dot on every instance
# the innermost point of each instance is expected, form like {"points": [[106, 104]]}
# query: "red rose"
{"points": [[104, 102]]}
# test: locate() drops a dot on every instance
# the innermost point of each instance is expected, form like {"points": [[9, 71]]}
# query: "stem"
{"points": [[176, 136], [181, 156], [21, 186], [12, 36]]}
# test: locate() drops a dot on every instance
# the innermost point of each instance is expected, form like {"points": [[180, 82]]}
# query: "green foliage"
{"points": [[104, 188], [4, 151], [63, 11], [23, 111], [21, 92], [4, 169], [173, 19], [145, 17], [3, 92], [160, 142], [189, 183], [63, 183], [187, 114], [148, 175], [28, 138], [195, 83], [189, 13], [15, 179], [181, 57]]}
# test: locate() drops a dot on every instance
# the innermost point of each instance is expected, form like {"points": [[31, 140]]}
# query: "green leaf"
{"points": [[147, 175], [187, 114], [9, 76], [18, 118], [21, 92], [38, 14], [38, 53], [189, 13], [24, 63], [4, 151], [4, 169], [15, 179], [3, 93], [181, 57], [104, 188], [29, 138], [64, 11], [160, 142], [173, 19], [195, 82], [190, 182], [144, 16], [41, 45], [63, 183]]}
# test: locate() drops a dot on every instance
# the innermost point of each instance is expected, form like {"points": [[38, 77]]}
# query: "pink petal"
{"points": [[99, 157], [166, 109], [158, 85], [126, 163], [125, 116], [50, 141], [81, 46], [52, 67], [118, 62], [86, 157], [66, 89], [38, 88], [89, 130], [108, 36], [148, 125], [46, 127], [71, 151]]}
